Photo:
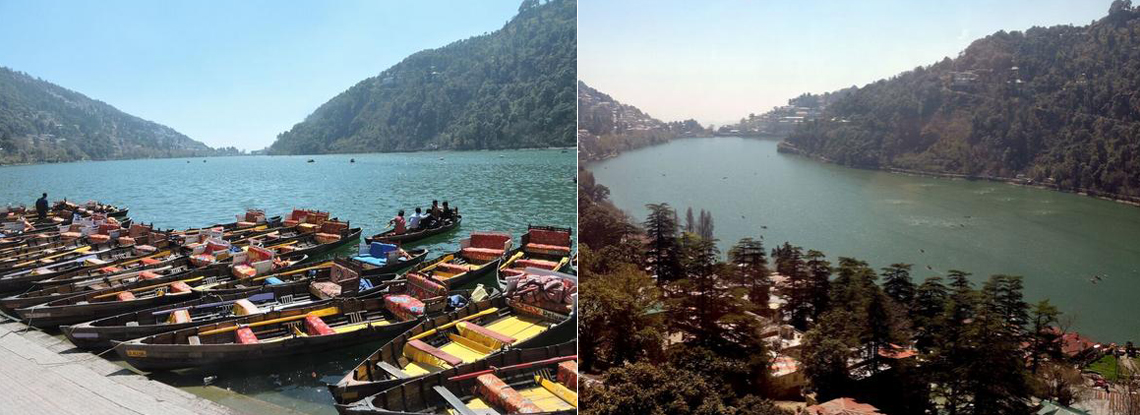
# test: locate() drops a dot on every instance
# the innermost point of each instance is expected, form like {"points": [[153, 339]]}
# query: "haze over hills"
{"points": [[1058, 106], [512, 88], [44, 122], [607, 127]]}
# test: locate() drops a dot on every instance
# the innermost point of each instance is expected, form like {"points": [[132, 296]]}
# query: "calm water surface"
{"points": [[1057, 241], [494, 191]]}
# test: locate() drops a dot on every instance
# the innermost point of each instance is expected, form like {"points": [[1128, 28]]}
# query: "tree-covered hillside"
{"points": [[44, 122], [512, 88], [1058, 105], [607, 127]]}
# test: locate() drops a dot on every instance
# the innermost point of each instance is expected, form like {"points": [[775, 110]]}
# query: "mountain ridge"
{"points": [[511, 88], [44, 122]]}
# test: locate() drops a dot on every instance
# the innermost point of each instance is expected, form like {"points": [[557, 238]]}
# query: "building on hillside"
{"points": [[842, 406], [1053, 408], [786, 378]]}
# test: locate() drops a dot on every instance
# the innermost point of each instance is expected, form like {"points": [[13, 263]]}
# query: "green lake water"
{"points": [[494, 190], [1057, 241]]}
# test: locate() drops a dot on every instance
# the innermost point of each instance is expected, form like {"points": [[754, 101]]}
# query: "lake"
{"points": [[1057, 241], [494, 190]]}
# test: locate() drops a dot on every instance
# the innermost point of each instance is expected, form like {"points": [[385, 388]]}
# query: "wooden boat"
{"points": [[140, 261], [319, 327], [61, 252], [479, 256], [214, 307], [122, 279], [506, 383], [391, 237], [545, 247], [110, 301], [25, 276], [454, 340], [379, 258]]}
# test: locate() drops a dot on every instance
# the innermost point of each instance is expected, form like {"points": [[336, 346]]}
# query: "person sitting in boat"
{"points": [[414, 220], [432, 218], [448, 215], [399, 223], [42, 207]]}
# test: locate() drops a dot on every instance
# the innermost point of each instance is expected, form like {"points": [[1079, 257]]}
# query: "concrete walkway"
{"points": [[41, 374]]}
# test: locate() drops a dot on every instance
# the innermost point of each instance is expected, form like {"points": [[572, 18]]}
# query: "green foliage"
{"points": [[513, 88], [44, 122], [618, 318], [1059, 105]]}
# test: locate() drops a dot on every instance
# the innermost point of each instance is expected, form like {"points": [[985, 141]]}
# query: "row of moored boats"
{"points": [[489, 328]]}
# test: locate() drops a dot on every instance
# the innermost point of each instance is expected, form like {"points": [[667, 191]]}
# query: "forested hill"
{"points": [[607, 127], [44, 122], [512, 88], [1059, 105]]}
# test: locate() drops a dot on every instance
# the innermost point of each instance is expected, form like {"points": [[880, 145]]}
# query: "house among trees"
{"points": [[842, 406]]}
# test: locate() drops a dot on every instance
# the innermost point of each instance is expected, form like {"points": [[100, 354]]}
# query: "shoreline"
{"points": [[788, 148]]}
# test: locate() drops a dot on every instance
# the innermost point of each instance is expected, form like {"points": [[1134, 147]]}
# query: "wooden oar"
{"points": [[79, 250], [319, 313], [149, 287], [473, 316]]}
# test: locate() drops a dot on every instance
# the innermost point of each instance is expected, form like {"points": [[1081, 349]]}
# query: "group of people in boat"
{"points": [[437, 215]]}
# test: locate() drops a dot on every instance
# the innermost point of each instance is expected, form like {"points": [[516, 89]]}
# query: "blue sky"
{"points": [[718, 61], [228, 72]]}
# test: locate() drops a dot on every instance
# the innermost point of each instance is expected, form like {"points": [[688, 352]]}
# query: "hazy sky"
{"points": [[228, 72], [718, 61]]}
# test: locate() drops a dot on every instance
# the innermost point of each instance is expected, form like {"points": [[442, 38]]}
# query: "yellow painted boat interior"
{"points": [[338, 329], [545, 400], [519, 327]]}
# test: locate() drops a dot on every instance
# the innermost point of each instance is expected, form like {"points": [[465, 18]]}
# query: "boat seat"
{"points": [[244, 307], [482, 254], [150, 261], [324, 289], [500, 394], [568, 374], [511, 272], [483, 335], [273, 281], [245, 335], [314, 326], [110, 270], [180, 287], [545, 249], [147, 275], [423, 287], [419, 351], [179, 317], [380, 249], [245, 224], [244, 271], [125, 296], [371, 260], [404, 306], [536, 263], [326, 238]]}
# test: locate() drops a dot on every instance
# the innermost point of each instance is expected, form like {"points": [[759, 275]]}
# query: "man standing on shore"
{"points": [[42, 207]]}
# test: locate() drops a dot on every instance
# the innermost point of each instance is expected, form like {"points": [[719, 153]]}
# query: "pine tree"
{"points": [[751, 265], [661, 229], [898, 284]]}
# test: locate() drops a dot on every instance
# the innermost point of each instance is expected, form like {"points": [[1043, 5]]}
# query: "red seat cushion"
{"points": [[125, 296], [150, 261], [423, 287], [484, 254], [179, 287], [314, 326], [511, 272], [491, 240], [451, 268], [568, 374], [548, 237], [245, 335], [147, 275], [536, 263], [547, 249]]}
